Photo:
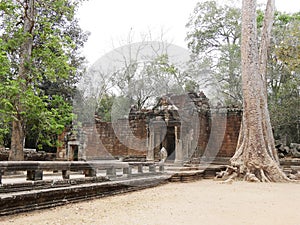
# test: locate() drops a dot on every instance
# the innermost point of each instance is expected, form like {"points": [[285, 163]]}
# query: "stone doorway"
{"points": [[169, 143], [160, 135], [73, 151]]}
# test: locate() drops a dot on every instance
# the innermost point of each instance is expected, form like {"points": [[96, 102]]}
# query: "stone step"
{"points": [[22, 201]]}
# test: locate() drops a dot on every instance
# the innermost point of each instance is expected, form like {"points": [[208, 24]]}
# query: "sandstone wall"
{"points": [[125, 138], [218, 135], [200, 131]]}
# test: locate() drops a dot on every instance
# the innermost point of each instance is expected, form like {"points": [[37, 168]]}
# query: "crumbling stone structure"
{"points": [[184, 125]]}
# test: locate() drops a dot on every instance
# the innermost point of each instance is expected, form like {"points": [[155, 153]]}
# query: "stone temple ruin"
{"points": [[185, 125], [192, 133]]}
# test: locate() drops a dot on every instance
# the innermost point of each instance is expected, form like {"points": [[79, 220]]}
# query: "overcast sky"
{"points": [[111, 21]]}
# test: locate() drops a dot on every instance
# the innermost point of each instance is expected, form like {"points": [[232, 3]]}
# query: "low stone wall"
{"points": [[30, 155], [126, 137]]}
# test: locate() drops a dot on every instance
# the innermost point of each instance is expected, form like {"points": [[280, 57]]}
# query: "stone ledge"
{"points": [[23, 201]]}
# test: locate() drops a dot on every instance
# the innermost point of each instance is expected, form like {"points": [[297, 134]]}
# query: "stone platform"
{"points": [[45, 195], [19, 195]]}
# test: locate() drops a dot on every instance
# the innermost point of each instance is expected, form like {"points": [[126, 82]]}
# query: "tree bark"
{"points": [[17, 141], [18, 124], [256, 157]]}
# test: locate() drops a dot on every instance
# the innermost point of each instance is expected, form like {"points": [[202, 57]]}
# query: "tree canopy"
{"points": [[136, 75], [40, 65], [214, 39]]}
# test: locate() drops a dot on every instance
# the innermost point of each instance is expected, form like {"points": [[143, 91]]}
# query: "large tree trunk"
{"points": [[256, 157], [17, 141], [18, 124]]}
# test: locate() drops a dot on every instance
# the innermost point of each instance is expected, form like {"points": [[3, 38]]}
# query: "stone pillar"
{"points": [[157, 130], [178, 148], [152, 168], [190, 143], [151, 144], [65, 174], [178, 152], [111, 172], [185, 147], [157, 142]]}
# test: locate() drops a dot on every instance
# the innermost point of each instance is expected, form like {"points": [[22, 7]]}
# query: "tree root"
{"points": [[231, 178], [230, 174], [295, 175], [263, 176], [251, 177], [250, 174]]}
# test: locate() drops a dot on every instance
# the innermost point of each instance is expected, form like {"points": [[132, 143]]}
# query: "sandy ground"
{"points": [[202, 202]]}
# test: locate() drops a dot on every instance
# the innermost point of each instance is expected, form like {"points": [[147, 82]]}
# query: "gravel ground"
{"points": [[202, 202]]}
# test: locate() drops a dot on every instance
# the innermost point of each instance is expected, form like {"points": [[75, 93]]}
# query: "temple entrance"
{"points": [[169, 143], [164, 134], [73, 148], [75, 152]]}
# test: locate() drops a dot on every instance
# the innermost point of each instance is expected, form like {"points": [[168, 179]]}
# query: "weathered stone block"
{"points": [[34, 175]]}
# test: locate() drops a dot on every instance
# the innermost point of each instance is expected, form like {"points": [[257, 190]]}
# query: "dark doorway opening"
{"points": [[74, 152], [170, 143]]}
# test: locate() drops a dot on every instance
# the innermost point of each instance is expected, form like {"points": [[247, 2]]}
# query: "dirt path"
{"points": [[203, 202]]}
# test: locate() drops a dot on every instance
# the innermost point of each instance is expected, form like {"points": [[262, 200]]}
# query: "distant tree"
{"points": [[143, 81], [213, 36], [105, 106], [284, 78], [134, 75]]}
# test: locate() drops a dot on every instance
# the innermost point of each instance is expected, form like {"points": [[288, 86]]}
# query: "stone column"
{"points": [[184, 148], [157, 131], [190, 144], [151, 144], [157, 138], [178, 148]]}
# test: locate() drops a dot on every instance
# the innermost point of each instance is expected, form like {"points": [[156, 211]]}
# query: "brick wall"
{"points": [[215, 135], [218, 134], [234, 119], [124, 138]]}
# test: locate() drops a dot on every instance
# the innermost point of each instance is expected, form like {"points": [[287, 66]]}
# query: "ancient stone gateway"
{"points": [[165, 134]]}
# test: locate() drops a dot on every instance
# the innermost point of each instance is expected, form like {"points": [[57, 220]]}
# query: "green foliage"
{"points": [[284, 77], [104, 107], [120, 108], [43, 97], [260, 18], [141, 82], [214, 40], [211, 26]]}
